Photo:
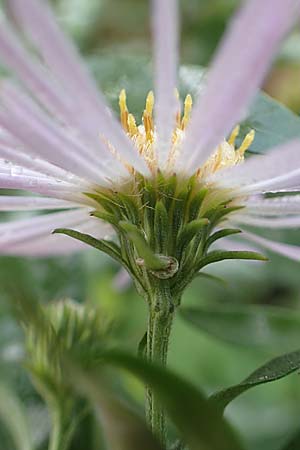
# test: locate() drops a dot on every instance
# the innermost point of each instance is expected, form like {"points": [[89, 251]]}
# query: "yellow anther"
{"points": [[234, 135], [188, 103], [249, 138], [122, 101], [123, 109], [148, 125], [132, 128], [150, 103]]}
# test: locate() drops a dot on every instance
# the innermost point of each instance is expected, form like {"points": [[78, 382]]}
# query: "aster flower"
{"points": [[166, 187], [60, 140]]}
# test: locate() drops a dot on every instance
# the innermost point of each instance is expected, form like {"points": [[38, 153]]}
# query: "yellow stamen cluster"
{"points": [[144, 137]]}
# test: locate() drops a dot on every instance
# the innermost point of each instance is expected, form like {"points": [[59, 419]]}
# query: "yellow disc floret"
{"points": [[227, 154]]}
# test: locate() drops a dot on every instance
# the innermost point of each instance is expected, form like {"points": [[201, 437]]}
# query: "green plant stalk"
{"points": [[161, 314], [62, 429]]}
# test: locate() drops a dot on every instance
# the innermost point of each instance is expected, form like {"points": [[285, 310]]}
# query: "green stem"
{"points": [[62, 429], [161, 313]]}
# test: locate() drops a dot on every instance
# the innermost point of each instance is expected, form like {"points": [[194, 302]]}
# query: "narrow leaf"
{"points": [[220, 234], [271, 371], [221, 255], [197, 420], [161, 226], [108, 247], [293, 443], [190, 231], [124, 430], [14, 418], [110, 218], [152, 261]]}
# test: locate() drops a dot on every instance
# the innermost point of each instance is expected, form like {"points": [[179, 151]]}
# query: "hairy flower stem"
{"points": [[62, 430], [161, 313]]}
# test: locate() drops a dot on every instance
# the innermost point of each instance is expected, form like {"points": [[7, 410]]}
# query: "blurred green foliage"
{"points": [[110, 31]]}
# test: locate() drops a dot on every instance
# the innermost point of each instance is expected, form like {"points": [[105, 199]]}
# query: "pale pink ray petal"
{"points": [[39, 22], [106, 165], [19, 231], [270, 222], [36, 77], [29, 203], [280, 166], [54, 98], [39, 136], [22, 158], [52, 245], [165, 39], [282, 205], [15, 177], [38, 123], [237, 72], [290, 251]]}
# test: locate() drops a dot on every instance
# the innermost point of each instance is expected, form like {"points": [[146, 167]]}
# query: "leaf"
{"points": [[273, 370], [273, 123], [220, 234], [199, 423], [152, 261], [190, 231], [293, 443], [248, 325], [221, 255], [108, 247], [124, 429], [14, 418]]}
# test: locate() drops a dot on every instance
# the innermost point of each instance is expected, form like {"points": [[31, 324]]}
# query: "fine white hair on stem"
{"points": [[165, 42], [38, 22], [237, 71], [290, 251], [262, 172]]}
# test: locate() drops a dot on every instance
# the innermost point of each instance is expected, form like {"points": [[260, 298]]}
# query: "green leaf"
{"points": [[110, 218], [108, 247], [152, 261], [273, 123], [124, 430], [13, 416], [161, 225], [190, 231], [221, 255], [220, 234], [197, 420], [293, 443], [273, 370], [254, 326]]}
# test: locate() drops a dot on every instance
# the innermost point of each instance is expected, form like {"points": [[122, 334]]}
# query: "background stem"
{"points": [[62, 430]]}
